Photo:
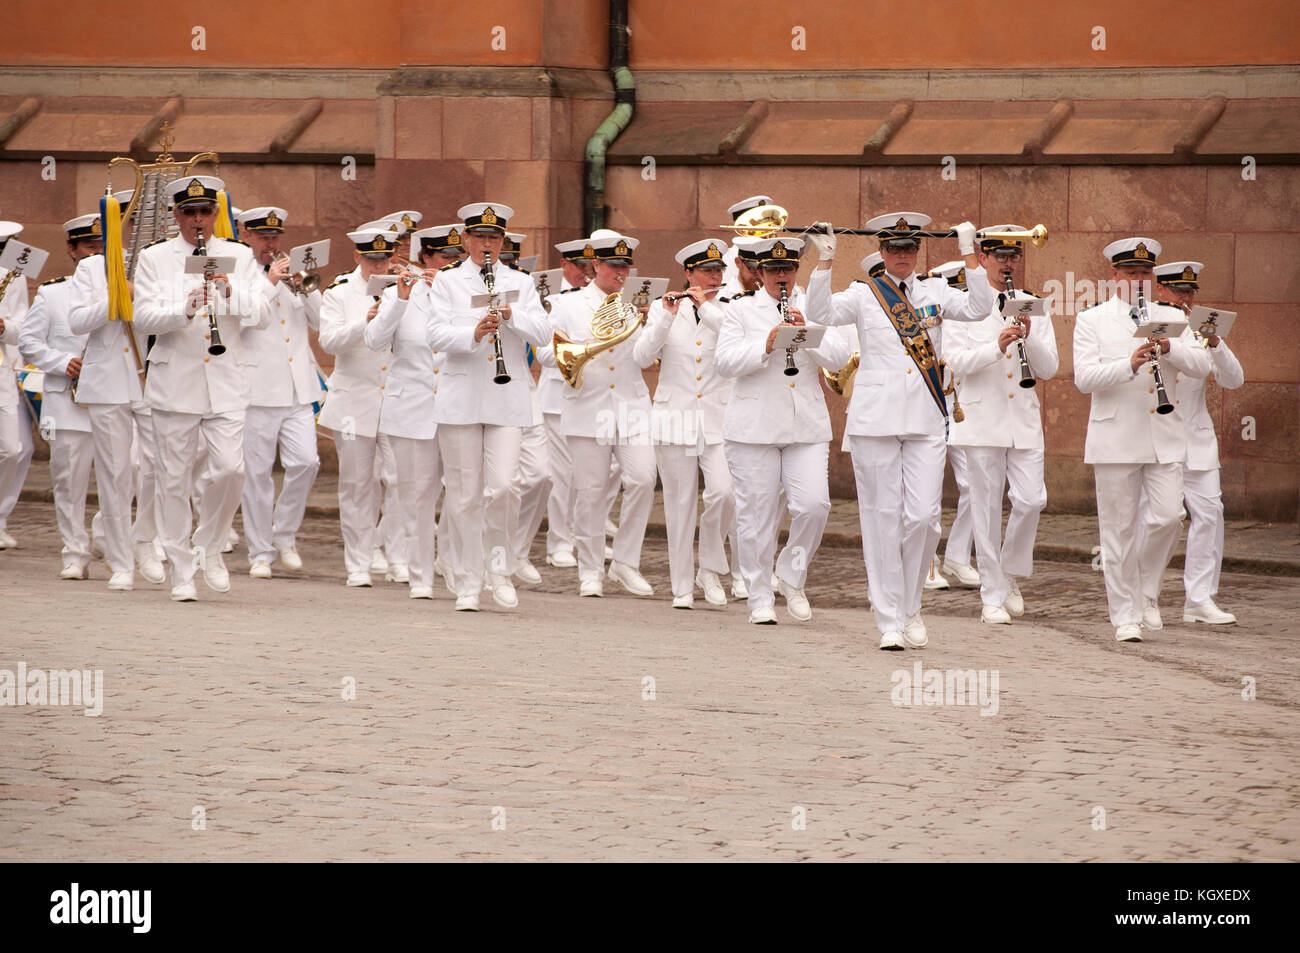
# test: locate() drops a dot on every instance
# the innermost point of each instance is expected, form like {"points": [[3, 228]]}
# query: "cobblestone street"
{"points": [[618, 729]]}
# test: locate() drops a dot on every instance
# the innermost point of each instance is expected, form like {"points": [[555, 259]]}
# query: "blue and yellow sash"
{"points": [[913, 334]]}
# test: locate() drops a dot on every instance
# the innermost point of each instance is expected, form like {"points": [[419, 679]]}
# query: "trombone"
{"points": [[768, 220]]}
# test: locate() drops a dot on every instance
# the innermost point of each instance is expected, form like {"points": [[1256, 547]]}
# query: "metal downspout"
{"points": [[593, 199]]}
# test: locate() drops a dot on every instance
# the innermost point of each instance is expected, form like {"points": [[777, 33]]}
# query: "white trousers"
{"points": [[121, 435], [758, 473], [177, 438], [990, 471], [1136, 539], [900, 498], [559, 503], [390, 534], [144, 471], [591, 464], [71, 454], [612, 484], [293, 431], [479, 462], [359, 491], [419, 481], [533, 484], [1204, 557], [15, 446], [961, 533], [679, 469]]}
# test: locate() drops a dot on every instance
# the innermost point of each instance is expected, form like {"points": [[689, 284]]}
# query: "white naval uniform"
{"points": [[1201, 490], [284, 385], [47, 342], [608, 417], [897, 435], [480, 422], [406, 417], [1002, 437], [196, 396], [1132, 449], [351, 411], [550, 394], [686, 424], [121, 423], [15, 422], [777, 434]]}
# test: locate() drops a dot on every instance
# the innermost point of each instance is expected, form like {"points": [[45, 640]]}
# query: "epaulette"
{"points": [[743, 294], [237, 241], [454, 264], [54, 281], [511, 264], [857, 281], [338, 281], [565, 291], [928, 277], [156, 241], [1030, 293]]}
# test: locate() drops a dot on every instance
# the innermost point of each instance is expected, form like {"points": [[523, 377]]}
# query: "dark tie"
{"points": [[902, 286]]}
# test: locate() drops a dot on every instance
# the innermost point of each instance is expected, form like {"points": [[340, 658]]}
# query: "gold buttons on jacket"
{"points": [[383, 367], [1153, 410], [699, 343], [909, 370], [286, 340], [126, 350], [699, 360], [611, 367], [437, 369], [1011, 396], [1008, 357], [699, 377], [206, 336], [282, 320], [206, 360], [611, 386], [291, 358], [1008, 377], [701, 395], [1151, 390], [792, 383]]}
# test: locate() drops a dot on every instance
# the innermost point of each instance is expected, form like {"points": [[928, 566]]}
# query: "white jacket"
{"points": [[890, 396], [690, 399], [109, 373], [766, 406], [999, 412], [183, 377], [356, 386], [12, 309], [412, 382], [281, 370], [1123, 426], [1202, 443], [46, 341]]}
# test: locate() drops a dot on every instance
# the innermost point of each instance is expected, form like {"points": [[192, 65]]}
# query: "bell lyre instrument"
{"points": [[208, 307], [613, 323], [764, 221], [1026, 374], [502, 376], [784, 306], [1163, 404]]}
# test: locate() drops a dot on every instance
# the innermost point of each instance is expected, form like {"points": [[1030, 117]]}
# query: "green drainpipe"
{"points": [[593, 202]]}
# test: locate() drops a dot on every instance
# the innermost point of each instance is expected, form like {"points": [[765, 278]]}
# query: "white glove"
{"points": [[823, 241], [965, 238]]}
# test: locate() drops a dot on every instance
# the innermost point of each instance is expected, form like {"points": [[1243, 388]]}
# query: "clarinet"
{"points": [[784, 306], [1163, 404], [489, 280], [1026, 375], [215, 346]]}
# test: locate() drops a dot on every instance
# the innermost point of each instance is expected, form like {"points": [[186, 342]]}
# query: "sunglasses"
{"points": [[191, 210]]}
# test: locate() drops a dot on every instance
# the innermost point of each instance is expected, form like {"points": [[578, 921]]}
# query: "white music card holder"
{"points": [[376, 285], [28, 260], [798, 336], [494, 299], [309, 258], [1024, 308], [1209, 322]]}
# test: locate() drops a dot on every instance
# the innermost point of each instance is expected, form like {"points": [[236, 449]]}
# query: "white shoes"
{"points": [[7, 541], [796, 603], [591, 587], [1129, 633], [995, 615], [714, 594], [147, 561], [359, 579], [215, 574], [966, 575], [75, 571], [1209, 613], [763, 615], [629, 579], [467, 603], [562, 559], [892, 641], [1015, 603], [914, 635], [527, 574], [396, 572], [502, 589], [186, 592], [122, 581], [609, 553], [933, 580], [443, 570], [378, 563], [611, 528], [684, 602], [1151, 615], [738, 588], [232, 540], [421, 592], [290, 558], [261, 569]]}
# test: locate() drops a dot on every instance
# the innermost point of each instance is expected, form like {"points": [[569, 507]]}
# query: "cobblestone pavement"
{"points": [[535, 734]]}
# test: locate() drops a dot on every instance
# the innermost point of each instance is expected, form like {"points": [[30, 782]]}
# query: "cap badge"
{"points": [[453, 237], [489, 217], [94, 228], [712, 251], [903, 224], [588, 251], [272, 220], [1141, 251], [1188, 274], [620, 249], [778, 251], [379, 244], [406, 221], [195, 189]]}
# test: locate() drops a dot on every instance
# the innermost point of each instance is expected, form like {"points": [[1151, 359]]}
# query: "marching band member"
{"points": [[407, 220], [1002, 434], [1177, 284], [690, 401], [731, 276], [897, 417], [745, 262], [352, 403], [47, 342], [196, 396], [576, 265], [479, 421], [607, 417], [284, 386], [777, 429], [15, 424], [1131, 447]]}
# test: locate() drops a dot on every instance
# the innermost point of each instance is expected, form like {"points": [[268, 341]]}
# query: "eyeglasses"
{"points": [[1008, 256]]}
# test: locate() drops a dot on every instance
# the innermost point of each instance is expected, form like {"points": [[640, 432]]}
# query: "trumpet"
{"points": [[303, 282], [215, 347], [502, 376], [1163, 404], [767, 220], [784, 306], [1026, 374]]}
